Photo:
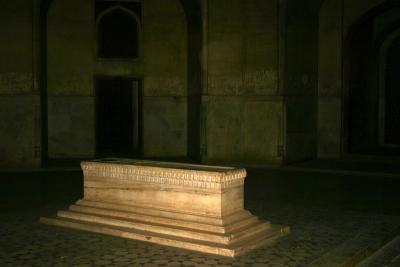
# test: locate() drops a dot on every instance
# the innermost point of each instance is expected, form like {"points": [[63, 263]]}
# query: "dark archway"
{"points": [[44, 10], [118, 34], [391, 135], [388, 45], [361, 79], [195, 41]]}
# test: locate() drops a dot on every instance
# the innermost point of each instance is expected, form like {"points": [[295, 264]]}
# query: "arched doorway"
{"points": [[389, 93], [118, 33], [364, 121], [169, 72], [193, 12], [118, 98]]}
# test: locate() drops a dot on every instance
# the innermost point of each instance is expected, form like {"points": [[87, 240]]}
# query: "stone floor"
{"points": [[319, 237], [387, 256]]}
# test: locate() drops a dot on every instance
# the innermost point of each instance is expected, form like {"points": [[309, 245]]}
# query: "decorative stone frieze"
{"points": [[139, 171]]}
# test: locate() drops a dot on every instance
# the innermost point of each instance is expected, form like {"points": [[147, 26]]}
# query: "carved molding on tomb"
{"points": [[109, 172]]}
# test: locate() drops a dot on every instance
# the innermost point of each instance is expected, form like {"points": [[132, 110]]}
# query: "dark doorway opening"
{"points": [[118, 116], [392, 95], [372, 71], [362, 92], [195, 144], [118, 35]]}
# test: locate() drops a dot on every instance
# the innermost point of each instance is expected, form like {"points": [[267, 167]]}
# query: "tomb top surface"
{"points": [[162, 164]]}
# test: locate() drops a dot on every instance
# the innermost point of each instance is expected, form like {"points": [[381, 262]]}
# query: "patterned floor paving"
{"points": [[314, 233], [387, 256]]}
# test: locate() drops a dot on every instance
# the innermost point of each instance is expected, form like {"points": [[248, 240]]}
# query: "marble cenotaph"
{"points": [[195, 207]]}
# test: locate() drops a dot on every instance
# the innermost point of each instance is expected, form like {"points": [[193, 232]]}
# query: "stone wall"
{"points": [[70, 42], [335, 24], [270, 88], [73, 67], [300, 78], [330, 79], [19, 97], [165, 79], [242, 102]]}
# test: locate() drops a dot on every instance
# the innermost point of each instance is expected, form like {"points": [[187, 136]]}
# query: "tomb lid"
{"points": [[164, 164]]}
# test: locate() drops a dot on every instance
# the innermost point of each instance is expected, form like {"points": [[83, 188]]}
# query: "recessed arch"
{"points": [[386, 99], [193, 13], [362, 81], [43, 12], [118, 34], [193, 47]]}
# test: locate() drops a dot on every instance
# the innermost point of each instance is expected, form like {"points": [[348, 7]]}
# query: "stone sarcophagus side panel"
{"points": [[189, 206]]}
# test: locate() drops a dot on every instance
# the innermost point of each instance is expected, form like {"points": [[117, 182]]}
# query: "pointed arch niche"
{"points": [[118, 34], [389, 70], [347, 30]]}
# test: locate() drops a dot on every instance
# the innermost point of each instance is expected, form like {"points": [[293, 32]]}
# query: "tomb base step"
{"points": [[235, 236], [235, 246], [236, 221], [152, 211]]}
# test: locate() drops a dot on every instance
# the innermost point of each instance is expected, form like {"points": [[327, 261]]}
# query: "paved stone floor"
{"points": [[317, 236], [387, 256]]}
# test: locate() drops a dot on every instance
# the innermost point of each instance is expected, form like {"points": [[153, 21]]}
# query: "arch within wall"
{"points": [[71, 68], [193, 10], [383, 55], [137, 47], [336, 21]]}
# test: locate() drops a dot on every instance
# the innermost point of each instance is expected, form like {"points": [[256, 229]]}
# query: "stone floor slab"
{"points": [[316, 232]]}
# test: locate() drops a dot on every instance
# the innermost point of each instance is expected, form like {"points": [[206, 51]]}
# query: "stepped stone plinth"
{"points": [[188, 206]]}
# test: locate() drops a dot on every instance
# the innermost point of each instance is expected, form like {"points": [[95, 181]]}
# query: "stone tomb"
{"points": [[188, 206]]}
